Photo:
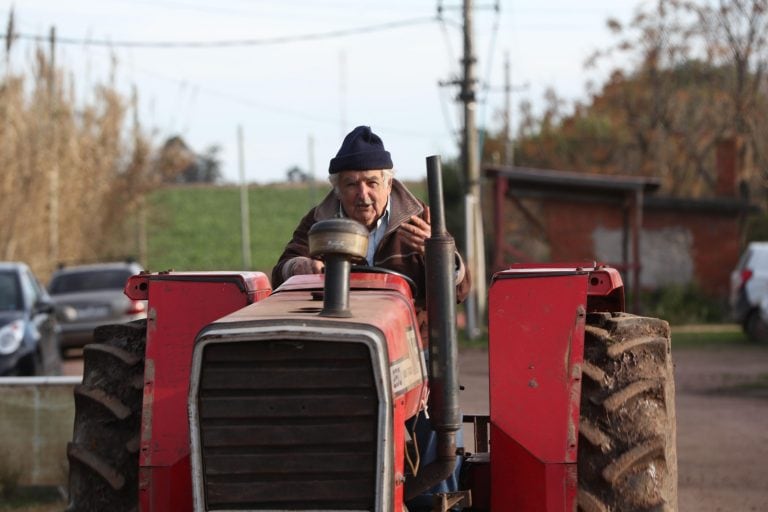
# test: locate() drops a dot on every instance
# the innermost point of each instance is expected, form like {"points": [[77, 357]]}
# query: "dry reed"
{"points": [[71, 174]]}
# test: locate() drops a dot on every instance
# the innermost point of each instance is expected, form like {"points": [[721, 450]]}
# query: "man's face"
{"points": [[364, 195]]}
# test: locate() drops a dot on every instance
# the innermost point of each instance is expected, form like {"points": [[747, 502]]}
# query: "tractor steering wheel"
{"points": [[381, 270]]}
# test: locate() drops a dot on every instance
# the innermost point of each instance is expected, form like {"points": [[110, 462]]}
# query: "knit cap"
{"points": [[362, 150]]}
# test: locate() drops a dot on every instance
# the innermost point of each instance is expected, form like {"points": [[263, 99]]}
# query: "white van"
{"points": [[749, 285]]}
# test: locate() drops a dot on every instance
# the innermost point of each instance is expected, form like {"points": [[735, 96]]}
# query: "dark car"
{"points": [[87, 296], [28, 329]]}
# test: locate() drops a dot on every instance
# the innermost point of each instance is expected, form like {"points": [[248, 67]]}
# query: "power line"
{"points": [[489, 70], [292, 10], [271, 107], [229, 43], [207, 8]]}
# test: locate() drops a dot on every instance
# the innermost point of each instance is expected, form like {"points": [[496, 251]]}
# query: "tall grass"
{"points": [[72, 171]]}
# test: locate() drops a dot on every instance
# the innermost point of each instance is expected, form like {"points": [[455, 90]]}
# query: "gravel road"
{"points": [[722, 424]]}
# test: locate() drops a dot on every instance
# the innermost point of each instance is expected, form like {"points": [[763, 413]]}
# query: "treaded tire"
{"points": [[627, 457], [31, 365], [754, 328], [104, 452]]}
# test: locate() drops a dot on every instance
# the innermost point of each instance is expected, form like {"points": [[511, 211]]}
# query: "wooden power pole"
{"points": [[245, 216], [53, 171], [470, 158]]}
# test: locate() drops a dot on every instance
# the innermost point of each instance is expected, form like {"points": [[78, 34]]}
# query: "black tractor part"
{"points": [[627, 458], [104, 452]]}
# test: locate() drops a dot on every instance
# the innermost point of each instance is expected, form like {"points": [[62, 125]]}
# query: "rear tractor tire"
{"points": [[104, 452], [627, 458]]}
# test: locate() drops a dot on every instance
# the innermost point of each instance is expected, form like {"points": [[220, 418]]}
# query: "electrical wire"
{"points": [[447, 116], [228, 43], [293, 10], [447, 119], [183, 6], [447, 39], [232, 43], [486, 87], [250, 103]]}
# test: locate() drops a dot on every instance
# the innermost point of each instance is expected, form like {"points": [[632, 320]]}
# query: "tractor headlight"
{"points": [[11, 336]]}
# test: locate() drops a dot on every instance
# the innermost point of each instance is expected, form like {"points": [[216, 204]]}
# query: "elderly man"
{"points": [[364, 189]]}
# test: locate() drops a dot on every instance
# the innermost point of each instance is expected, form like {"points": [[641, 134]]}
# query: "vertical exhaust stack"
{"points": [[338, 242], [443, 347]]}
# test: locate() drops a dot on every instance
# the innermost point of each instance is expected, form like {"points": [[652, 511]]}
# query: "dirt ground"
{"points": [[722, 424]]}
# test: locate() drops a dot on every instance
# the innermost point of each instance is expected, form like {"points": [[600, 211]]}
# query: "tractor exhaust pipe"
{"points": [[443, 347], [339, 242]]}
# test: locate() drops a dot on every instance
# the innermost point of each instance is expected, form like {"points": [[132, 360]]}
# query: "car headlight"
{"points": [[11, 336]]}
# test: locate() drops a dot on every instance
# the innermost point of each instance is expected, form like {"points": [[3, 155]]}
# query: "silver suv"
{"points": [[87, 296], [749, 286]]}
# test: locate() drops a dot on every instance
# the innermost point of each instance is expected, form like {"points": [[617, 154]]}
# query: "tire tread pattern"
{"points": [[104, 452], [627, 459]]}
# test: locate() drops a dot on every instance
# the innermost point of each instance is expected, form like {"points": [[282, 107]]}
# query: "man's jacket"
{"points": [[393, 252]]}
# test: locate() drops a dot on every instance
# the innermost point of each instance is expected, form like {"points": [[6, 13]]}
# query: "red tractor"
{"points": [[235, 397]]}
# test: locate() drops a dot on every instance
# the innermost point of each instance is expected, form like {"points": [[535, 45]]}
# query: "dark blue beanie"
{"points": [[362, 150]]}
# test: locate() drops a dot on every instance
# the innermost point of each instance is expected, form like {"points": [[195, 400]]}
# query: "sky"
{"points": [[313, 70]]}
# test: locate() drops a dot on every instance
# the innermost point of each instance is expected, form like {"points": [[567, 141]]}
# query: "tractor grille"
{"points": [[288, 425]]}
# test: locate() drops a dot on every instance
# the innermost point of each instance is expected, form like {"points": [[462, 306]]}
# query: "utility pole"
{"points": [[311, 168], [509, 146], [474, 249], [9, 36], [141, 208], [53, 181], [245, 216], [343, 93], [475, 246], [509, 138]]}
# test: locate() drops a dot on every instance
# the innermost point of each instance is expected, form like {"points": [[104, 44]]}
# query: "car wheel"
{"points": [[30, 365], [755, 328]]}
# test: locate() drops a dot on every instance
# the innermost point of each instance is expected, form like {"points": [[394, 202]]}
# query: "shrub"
{"points": [[682, 305]]}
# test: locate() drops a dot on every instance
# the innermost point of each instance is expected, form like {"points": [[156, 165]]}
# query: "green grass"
{"points": [[198, 228], [683, 336], [712, 335], [704, 336], [33, 499]]}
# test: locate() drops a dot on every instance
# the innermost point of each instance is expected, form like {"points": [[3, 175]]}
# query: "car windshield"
{"points": [[10, 293], [89, 281]]}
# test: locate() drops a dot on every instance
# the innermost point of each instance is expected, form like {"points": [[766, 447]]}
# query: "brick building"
{"points": [[549, 215]]}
